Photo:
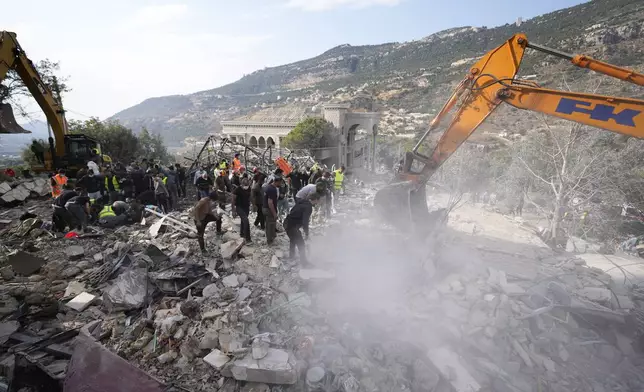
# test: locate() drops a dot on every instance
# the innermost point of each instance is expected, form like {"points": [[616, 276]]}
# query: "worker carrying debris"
{"points": [[297, 218], [203, 214]]}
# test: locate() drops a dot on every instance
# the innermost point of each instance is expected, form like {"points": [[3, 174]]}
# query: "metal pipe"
{"points": [[554, 52]]}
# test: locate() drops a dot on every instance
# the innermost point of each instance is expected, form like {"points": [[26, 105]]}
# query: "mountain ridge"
{"points": [[412, 76]]}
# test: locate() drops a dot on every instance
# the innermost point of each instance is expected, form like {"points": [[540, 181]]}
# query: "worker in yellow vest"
{"points": [[112, 185], [338, 182], [109, 218]]}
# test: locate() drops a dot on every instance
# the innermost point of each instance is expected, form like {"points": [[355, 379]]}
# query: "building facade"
{"points": [[356, 135]]}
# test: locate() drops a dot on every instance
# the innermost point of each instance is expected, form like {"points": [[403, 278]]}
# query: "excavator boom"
{"points": [[490, 82], [13, 57]]}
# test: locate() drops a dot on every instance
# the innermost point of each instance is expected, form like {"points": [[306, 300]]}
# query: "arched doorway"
{"points": [[253, 141], [270, 141], [261, 142]]}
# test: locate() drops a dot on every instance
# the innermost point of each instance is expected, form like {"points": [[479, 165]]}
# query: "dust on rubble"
{"points": [[489, 309]]}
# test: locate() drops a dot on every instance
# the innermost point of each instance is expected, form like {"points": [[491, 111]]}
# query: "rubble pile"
{"points": [[247, 318], [20, 190]]}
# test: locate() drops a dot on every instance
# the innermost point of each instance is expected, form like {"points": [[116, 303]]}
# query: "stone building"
{"points": [[356, 132]]}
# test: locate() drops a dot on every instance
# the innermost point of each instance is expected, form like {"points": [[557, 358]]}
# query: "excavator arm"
{"points": [[490, 82], [13, 57]]}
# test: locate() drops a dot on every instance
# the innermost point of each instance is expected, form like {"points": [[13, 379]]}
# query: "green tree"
{"points": [[117, 141], [151, 146], [12, 87], [310, 133]]}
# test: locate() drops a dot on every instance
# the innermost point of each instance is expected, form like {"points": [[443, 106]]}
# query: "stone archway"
{"points": [[270, 141], [261, 143], [253, 141]]}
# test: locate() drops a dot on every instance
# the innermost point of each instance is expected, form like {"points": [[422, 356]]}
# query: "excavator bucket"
{"points": [[402, 205], [8, 123], [405, 207]]}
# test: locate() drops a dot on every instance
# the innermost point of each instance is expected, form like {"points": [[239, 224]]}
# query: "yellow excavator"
{"points": [[490, 82], [68, 151]]}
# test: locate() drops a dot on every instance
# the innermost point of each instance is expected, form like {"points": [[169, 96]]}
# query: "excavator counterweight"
{"points": [[490, 82]]}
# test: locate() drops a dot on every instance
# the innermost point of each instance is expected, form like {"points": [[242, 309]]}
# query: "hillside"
{"points": [[410, 77]]}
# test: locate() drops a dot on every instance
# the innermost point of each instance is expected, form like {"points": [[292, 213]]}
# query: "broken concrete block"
{"points": [[596, 294], [230, 249], [81, 301], [7, 272], [98, 257], [211, 314], [210, 340], [6, 329], [230, 281], [75, 252], [24, 263], [4, 188], [216, 359], [243, 293], [70, 272], [210, 290], [259, 348], [316, 274], [167, 357], [275, 262], [277, 367], [624, 302], [74, 288]]}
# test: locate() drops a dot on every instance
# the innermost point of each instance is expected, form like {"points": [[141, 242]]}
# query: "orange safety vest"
{"points": [[283, 164], [60, 180], [236, 164]]}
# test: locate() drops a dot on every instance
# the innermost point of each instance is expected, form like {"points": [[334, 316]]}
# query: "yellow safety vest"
{"points": [[115, 182], [165, 180], [105, 212], [339, 179]]}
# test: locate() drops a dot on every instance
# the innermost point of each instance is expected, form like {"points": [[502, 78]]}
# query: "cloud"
{"points": [[326, 5]]}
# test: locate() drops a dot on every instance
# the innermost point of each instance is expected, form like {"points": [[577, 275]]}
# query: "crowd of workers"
{"points": [[118, 195]]}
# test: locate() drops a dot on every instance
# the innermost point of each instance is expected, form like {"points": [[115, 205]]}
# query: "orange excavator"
{"points": [[68, 151], [490, 82]]}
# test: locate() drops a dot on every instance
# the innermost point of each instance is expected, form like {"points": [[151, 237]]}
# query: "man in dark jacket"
{"points": [[181, 179], [297, 218], [92, 184], [241, 207]]}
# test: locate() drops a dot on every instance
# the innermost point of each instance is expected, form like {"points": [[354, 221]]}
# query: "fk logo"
{"points": [[599, 112]]}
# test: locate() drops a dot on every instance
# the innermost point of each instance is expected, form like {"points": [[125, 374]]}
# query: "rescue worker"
{"points": [[91, 184], [203, 214], [199, 174], [297, 218], [39, 151], [112, 186], [222, 186], [236, 162], [306, 192], [78, 208], [223, 167], [338, 182], [170, 181], [328, 193], [181, 179], [60, 216], [161, 194], [109, 219], [295, 182], [282, 200], [315, 175], [257, 197], [237, 177], [241, 206], [203, 184], [270, 198], [57, 182]]}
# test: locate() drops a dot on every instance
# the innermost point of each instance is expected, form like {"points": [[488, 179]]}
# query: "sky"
{"points": [[117, 53]]}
